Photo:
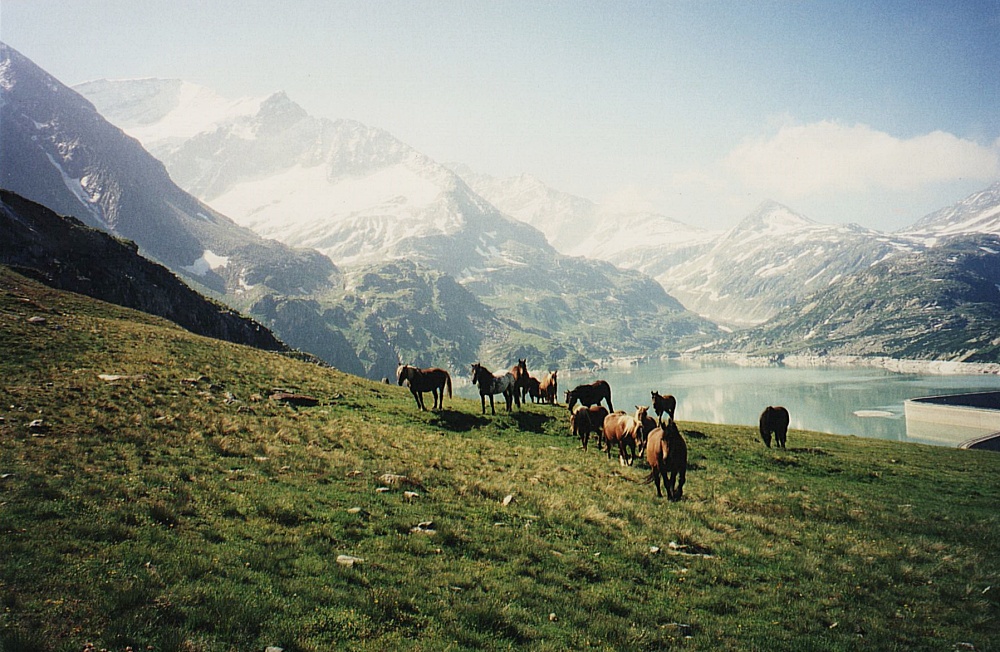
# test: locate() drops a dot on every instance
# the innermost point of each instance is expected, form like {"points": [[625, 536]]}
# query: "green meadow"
{"points": [[162, 502]]}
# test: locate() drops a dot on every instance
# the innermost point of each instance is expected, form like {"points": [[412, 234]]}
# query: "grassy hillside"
{"points": [[167, 509]]}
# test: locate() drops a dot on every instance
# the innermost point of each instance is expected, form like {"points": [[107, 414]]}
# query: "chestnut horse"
{"points": [[433, 380], [622, 429], [548, 388], [490, 384], [647, 422], [666, 452], [774, 420], [663, 404], [586, 420], [591, 394]]}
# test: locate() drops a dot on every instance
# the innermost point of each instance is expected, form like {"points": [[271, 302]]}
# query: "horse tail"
{"points": [[649, 478], [447, 382]]}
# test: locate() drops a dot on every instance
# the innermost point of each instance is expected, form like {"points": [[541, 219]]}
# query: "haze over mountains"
{"points": [[515, 291], [387, 255]]}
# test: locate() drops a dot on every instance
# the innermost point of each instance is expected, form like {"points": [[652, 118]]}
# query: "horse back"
{"points": [[656, 449]]}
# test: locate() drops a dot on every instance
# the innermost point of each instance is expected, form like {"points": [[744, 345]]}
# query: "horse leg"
{"points": [[493, 408], [780, 437], [656, 479], [418, 397], [765, 435], [681, 474], [482, 397], [438, 394]]}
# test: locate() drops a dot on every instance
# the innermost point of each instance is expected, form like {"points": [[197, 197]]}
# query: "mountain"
{"points": [[65, 254], [644, 241], [940, 303], [364, 198], [57, 150], [771, 260], [977, 213], [353, 192]]}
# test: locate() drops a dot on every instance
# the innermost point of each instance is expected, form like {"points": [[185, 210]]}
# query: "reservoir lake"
{"points": [[862, 401]]}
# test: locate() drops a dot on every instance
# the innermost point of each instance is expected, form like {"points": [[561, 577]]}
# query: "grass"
{"points": [[179, 509]]}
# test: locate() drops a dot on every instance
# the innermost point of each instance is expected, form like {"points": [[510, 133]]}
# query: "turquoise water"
{"points": [[848, 401]]}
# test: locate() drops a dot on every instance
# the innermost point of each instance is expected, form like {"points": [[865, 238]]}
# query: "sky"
{"points": [[870, 112]]}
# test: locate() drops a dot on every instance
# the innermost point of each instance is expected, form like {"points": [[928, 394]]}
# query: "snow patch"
{"points": [[206, 263]]}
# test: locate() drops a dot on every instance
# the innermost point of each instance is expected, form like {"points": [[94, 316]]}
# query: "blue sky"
{"points": [[875, 113]]}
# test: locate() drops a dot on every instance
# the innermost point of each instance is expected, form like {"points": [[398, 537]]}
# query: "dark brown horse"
{"points": [[549, 387], [622, 430], [433, 380], [666, 452], [490, 384], [663, 404], [534, 390], [586, 420], [591, 394], [520, 373], [774, 420]]}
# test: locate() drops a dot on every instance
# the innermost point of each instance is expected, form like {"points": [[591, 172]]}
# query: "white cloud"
{"points": [[827, 157]]}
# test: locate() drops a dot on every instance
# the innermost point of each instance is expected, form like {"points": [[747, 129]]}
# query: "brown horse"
{"points": [[663, 404], [591, 394], [666, 452], [648, 424], [433, 380], [585, 420], [622, 429], [549, 387], [533, 390], [774, 420], [490, 384], [520, 373]]}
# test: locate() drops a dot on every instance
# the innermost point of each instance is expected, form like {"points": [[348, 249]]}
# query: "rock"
{"points": [[274, 648], [300, 400], [410, 495], [507, 500], [38, 321], [424, 527], [348, 560], [37, 426], [553, 618]]}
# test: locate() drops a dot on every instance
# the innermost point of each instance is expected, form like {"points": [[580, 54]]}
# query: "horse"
{"points": [[774, 420], [533, 390], [590, 394], [520, 373], [490, 384], [584, 421], [663, 404], [666, 452], [549, 387], [431, 380], [648, 425], [622, 429]]}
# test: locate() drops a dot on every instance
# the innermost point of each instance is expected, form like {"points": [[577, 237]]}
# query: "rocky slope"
{"points": [[64, 253]]}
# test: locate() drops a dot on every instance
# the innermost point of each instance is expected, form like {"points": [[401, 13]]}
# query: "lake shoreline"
{"points": [[797, 361], [897, 365]]}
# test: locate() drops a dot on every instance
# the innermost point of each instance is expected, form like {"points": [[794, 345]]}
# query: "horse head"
{"points": [[401, 373], [480, 375]]}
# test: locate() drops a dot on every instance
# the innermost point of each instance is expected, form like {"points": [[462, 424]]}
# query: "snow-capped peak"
{"points": [[154, 111]]}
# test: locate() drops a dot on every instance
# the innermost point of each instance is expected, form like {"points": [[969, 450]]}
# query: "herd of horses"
{"points": [[632, 435]]}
